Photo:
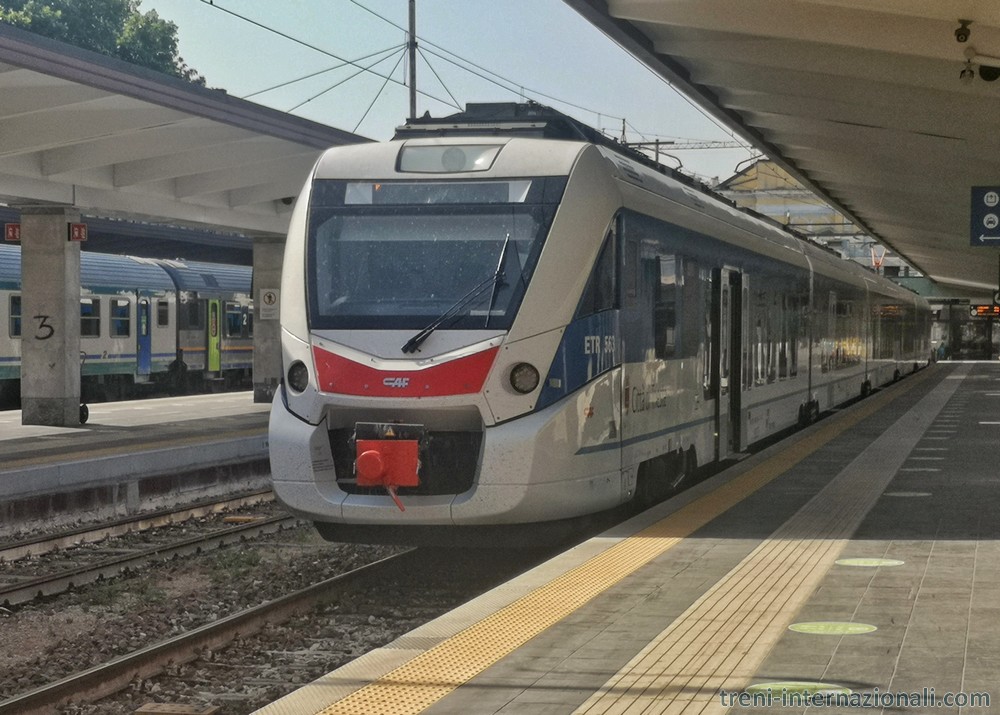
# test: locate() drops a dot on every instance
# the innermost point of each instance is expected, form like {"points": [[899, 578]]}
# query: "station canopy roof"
{"points": [[861, 101], [120, 142]]}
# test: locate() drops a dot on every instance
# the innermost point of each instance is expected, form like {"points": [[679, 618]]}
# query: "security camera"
{"points": [[963, 32]]}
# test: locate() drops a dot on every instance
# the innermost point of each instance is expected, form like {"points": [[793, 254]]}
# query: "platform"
{"points": [[858, 559], [132, 455]]}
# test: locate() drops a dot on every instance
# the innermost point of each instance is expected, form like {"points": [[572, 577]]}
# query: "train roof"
{"points": [[521, 131], [99, 272], [208, 279]]}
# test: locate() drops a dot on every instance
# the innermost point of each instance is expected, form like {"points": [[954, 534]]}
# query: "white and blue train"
{"points": [[499, 320], [182, 325]]}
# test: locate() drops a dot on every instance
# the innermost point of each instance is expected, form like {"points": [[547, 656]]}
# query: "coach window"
{"points": [[90, 317], [15, 316], [162, 314], [121, 319], [794, 315], [234, 320], [782, 310], [709, 308], [195, 311], [601, 288], [666, 306]]}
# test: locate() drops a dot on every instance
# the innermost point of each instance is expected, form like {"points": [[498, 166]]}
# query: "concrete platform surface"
{"points": [[857, 560]]}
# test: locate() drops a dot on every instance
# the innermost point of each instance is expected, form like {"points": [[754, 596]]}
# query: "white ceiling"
{"points": [[860, 100], [113, 140]]}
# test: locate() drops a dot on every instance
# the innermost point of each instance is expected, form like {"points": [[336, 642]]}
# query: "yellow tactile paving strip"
{"points": [[720, 641], [433, 674]]}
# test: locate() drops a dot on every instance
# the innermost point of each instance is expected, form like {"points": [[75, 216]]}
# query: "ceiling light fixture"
{"points": [[989, 65]]}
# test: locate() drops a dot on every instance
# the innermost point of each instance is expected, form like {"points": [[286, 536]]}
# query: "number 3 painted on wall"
{"points": [[45, 331]]}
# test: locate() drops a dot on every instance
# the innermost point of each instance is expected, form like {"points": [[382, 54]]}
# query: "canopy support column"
{"points": [[50, 324], [268, 254]]}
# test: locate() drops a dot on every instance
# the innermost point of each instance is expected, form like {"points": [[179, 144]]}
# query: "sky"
{"points": [[306, 57]]}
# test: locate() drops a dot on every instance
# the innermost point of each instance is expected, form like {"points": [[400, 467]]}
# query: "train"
{"points": [[145, 324], [502, 319]]}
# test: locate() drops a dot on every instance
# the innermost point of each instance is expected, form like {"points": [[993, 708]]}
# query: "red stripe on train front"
{"points": [[461, 376]]}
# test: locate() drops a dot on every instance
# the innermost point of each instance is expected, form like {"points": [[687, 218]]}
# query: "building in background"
{"points": [[766, 188]]}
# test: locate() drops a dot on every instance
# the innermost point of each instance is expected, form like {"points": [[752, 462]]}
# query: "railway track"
{"points": [[46, 543], [296, 607], [20, 580], [109, 678]]}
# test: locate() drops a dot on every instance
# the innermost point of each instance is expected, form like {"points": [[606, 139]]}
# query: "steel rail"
{"points": [[50, 585], [43, 544], [104, 680]]}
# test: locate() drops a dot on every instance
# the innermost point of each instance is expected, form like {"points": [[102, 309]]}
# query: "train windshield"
{"points": [[401, 255]]}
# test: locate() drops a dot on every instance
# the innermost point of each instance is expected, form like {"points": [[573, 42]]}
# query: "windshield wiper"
{"points": [[417, 340], [498, 279]]}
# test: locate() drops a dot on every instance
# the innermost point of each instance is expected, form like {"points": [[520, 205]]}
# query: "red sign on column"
{"points": [[78, 232], [12, 232]]}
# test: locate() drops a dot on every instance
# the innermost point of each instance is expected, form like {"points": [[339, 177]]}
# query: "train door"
{"points": [[143, 339], [214, 337], [728, 334]]}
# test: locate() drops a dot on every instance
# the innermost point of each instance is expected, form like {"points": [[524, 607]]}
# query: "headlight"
{"points": [[298, 376], [524, 378]]}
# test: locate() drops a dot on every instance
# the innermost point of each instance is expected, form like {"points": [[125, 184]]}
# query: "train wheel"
{"points": [[84, 414]]}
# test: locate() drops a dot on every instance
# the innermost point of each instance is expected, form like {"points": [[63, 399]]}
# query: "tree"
{"points": [[115, 28]]}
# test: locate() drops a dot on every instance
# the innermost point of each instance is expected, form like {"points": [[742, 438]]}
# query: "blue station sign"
{"points": [[984, 224]]}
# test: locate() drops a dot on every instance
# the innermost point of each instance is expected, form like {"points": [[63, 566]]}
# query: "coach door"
{"points": [[143, 339], [728, 336], [214, 340]]}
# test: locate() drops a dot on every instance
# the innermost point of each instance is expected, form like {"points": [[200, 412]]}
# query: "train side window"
{"points": [[90, 317], [601, 290], [631, 272], [666, 306], [709, 308], [162, 314], [234, 320], [194, 313], [121, 318], [15, 316], [142, 318]]}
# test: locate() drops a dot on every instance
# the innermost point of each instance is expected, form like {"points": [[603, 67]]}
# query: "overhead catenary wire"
{"points": [[520, 90], [379, 93], [460, 62], [345, 63], [347, 79], [510, 86], [303, 43], [420, 50]]}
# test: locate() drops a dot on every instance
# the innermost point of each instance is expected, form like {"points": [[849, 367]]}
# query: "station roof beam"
{"points": [[867, 104]]}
